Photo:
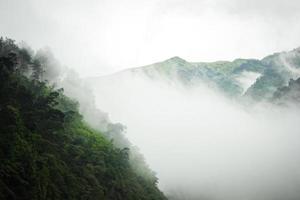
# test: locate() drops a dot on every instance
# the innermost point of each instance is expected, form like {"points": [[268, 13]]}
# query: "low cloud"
{"points": [[203, 145]]}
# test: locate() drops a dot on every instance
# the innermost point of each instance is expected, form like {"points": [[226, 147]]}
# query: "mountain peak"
{"points": [[175, 59]]}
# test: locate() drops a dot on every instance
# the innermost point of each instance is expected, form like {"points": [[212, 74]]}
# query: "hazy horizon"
{"points": [[102, 37]]}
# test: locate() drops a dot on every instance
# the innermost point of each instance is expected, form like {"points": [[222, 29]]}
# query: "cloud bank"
{"points": [[203, 145]]}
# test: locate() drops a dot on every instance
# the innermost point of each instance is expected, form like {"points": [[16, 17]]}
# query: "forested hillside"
{"points": [[47, 150]]}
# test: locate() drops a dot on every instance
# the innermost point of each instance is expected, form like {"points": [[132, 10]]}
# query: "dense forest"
{"points": [[48, 150]]}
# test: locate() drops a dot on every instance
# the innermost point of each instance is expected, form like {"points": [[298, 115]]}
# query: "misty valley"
{"points": [[177, 130]]}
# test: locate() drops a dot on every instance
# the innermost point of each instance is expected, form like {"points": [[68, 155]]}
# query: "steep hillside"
{"points": [[48, 151]]}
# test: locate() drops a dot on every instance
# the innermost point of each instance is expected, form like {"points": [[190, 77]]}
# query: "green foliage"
{"points": [[213, 74], [289, 94], [275, 72], [266, 85], [47, 151]]}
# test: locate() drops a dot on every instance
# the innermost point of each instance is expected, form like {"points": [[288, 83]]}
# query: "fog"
{"points": [[105, 36], [203, 145]]}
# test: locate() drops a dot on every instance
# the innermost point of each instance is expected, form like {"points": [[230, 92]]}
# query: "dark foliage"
{"points": [[47, 151]]}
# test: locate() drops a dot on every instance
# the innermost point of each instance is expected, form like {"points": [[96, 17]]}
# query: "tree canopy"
{"points": [[47, 151]]}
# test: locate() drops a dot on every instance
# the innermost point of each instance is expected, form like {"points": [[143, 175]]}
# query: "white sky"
{"points": [[98, 37]]}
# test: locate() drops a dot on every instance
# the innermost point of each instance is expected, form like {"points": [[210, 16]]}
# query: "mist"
{"points": [[203, 145], [120, 34]]}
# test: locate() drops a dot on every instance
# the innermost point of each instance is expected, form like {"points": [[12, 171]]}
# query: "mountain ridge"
{"points": [[257, 79]]}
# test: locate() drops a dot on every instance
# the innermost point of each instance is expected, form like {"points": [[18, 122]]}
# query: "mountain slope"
{"points": [[47, 150], [288, 95]]}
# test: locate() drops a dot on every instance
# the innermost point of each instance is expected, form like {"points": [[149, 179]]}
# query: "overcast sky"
{"points": [[98, 37]]}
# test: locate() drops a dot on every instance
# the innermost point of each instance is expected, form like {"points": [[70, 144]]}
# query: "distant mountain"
{"points": [[256, 79]]}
